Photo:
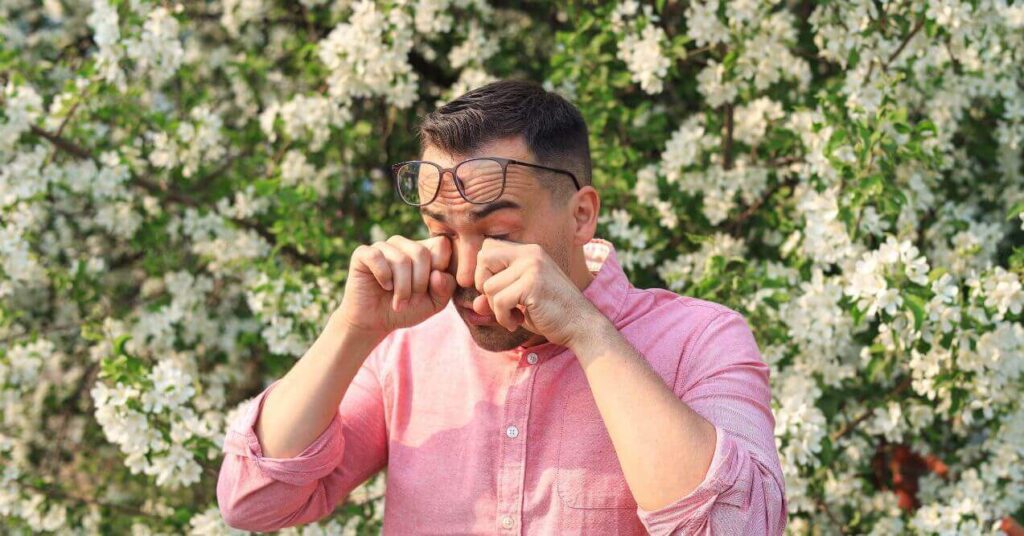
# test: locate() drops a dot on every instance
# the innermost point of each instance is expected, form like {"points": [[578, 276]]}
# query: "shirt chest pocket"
{"points": [[589, 473]]}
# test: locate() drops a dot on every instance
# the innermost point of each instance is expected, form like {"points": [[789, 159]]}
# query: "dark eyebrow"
{"points": [[436, 215], [476, 215], [493, 207]]}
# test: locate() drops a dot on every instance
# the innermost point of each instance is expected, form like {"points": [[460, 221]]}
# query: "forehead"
{"points": [[521, 186], [514, 147]]}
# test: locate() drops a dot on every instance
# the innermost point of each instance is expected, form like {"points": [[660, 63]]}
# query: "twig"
{"points": [[851, 425], [895, 54], [828, 512], [86, 382], [727, 142], [756, 205], [906, 40], [60, 129]]}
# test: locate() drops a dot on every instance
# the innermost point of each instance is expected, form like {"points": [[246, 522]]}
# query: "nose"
{"points": [[464, 260]]}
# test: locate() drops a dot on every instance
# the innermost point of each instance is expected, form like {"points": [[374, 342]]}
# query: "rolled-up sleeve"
{"points": [[260, 493], [724, 379]]}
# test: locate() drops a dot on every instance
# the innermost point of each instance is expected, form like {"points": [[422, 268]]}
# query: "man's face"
{"points": [[525, 213]]}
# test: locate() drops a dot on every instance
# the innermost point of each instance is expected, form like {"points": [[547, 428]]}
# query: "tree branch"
{"points": [[63, 144]]}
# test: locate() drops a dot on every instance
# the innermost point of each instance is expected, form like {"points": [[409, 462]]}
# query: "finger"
{"points": [[482, 305], [442, 286], [505, 251], [401, 273], [420, 256], [440, 252], [496, 282], [489, 262], [373, 260], [506, 301]]}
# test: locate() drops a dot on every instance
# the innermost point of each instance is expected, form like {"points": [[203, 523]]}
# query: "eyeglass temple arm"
{"points": [[569, 173]]}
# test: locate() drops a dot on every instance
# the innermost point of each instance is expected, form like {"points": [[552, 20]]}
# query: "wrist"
{"points": [[349, 340], [594, 328], [341, 321]]}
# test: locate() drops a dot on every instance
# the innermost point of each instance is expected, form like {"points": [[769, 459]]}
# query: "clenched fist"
{"points": [[521, 285], [396, 284]]}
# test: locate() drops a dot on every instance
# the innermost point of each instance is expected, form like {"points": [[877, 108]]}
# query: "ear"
{"points": [[585, 206]]}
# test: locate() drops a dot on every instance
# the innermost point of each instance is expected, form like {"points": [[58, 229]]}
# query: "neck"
{"points": [[579, 273]]}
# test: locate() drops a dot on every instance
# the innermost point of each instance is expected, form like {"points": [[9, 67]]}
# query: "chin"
{"points": [[496, 338]]}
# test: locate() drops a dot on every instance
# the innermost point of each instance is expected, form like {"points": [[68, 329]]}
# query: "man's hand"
{"points": [[522, 285], [396, 284]]}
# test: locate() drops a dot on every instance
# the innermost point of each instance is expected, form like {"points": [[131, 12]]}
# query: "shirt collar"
{"points": [[607, 291]]}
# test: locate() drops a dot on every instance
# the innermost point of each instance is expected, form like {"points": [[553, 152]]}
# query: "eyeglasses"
{"points": [[478, 180]]}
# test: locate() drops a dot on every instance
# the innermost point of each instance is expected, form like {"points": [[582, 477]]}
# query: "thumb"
{"points": [[442, 286]]}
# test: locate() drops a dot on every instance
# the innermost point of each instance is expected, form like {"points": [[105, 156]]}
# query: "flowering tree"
{"points": [[182, 183]]}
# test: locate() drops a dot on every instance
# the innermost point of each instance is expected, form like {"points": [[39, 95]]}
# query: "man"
{"points": [[505, 371]]}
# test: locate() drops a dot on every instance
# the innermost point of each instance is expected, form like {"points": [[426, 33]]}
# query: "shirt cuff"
{"points": [[316, 461], [721, 484]]}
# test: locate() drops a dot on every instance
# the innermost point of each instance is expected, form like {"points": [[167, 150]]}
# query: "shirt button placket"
{"points": [[513, 449]]}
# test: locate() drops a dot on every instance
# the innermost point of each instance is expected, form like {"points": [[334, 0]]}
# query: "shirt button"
{"points": [[532, 358], [512, 432], [507, 522]]}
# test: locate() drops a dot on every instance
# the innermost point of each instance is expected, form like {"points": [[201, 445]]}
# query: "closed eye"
{"points": [[496, 237]]}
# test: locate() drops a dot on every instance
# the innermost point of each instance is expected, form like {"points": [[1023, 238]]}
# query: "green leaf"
{"points": [[916, 305], [1015, 210], [119, 345]]}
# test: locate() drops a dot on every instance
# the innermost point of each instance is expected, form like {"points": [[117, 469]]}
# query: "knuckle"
{"points": [[379, 247], [423, 254], [367, 254]]}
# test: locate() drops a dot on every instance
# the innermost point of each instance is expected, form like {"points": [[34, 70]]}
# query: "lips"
{"points": [[475, 318]]}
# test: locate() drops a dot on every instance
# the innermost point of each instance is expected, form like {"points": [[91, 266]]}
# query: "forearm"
{"points": [[663, 446], [301, 406]]}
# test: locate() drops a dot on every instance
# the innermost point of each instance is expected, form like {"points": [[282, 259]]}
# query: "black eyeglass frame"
{"points": [[504, 162]]}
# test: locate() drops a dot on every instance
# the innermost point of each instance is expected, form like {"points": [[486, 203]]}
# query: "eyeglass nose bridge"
{"points": [[459, 185]]}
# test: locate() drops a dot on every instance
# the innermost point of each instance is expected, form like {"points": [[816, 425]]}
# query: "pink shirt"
{"points": [[512, 442]]}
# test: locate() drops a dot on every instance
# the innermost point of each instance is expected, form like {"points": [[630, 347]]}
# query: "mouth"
{"points": [[474, 317]]}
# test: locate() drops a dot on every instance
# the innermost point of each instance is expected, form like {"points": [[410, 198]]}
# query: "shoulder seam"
{"points": [[685, 350]]}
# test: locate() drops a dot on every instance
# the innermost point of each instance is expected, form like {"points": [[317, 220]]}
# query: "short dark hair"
{"points": [[553, 128]]}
